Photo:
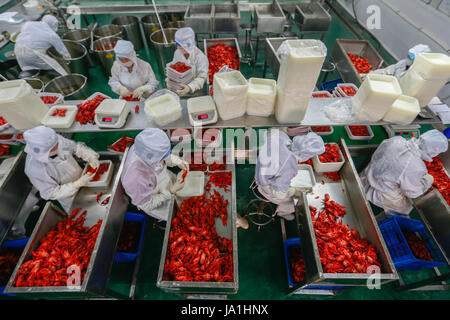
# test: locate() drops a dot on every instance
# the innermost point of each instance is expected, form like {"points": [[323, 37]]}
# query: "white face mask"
{"points": [[127, 64]]}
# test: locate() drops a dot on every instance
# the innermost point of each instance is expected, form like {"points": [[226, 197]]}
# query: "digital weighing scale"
{"points": [[201, 111], [407, 132], [112, 113]]}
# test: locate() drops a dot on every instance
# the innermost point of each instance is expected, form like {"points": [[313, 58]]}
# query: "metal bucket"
{"points": [[77, 63], [131, 28], [164, 52], [36, 84], [175, 24], [72, 86], [150, 24], [106, 57], [82, 36], [110, 30]]}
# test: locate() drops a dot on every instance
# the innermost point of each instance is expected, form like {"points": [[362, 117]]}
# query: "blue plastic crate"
{"points": [[295, 242], [401, 254], [330, 85], [125, 256], [20, 243]]}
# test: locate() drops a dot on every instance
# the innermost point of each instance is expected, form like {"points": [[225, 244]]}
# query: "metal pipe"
{"points": [[159, 21]]}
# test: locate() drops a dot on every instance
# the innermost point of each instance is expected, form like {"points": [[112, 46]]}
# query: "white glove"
{"points": [[174, 160], [124, 92], [82, 181], [177, 186], [428, 180], [139, 92], [185, 89], [93, 162]]}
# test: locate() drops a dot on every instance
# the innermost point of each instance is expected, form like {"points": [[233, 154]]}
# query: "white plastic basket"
{"points": [[322, 133], [205, 143], [60, 122], [328, 166], [59, 100], [351, 136], [163, 109], [104, 179], [194, 184]]}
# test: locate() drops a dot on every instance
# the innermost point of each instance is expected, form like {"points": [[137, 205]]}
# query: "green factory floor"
{"points": [[262, 270]]}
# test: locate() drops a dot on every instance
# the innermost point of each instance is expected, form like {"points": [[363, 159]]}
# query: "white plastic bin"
{"points": [[403, 111], [353, 137], [291, 108], [261, 97], [432, 66], [328, 166], [20, 105], [230, 94], [163, 109], [345, 85], [105, 178], [60, 122], [194, 184]]}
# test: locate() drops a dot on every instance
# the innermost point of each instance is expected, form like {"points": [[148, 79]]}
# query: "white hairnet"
{"points": [[308, 146], [125, 49], [432, 143], [40, 140], [152, 145], [185, 37], [51, 21], [420, 48]]}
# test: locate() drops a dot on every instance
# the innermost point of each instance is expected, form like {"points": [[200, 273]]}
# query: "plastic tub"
{"points": [[59, 100], [432, 66], [291, 108], [105, 178], [127, 256], [261, 97], [351, 136], [58, 122], [230, 94], [163, 109], [399, 249], [199, 135], [194, 184], [322, 133], [304, 180], [328, 166], [403, 111]]}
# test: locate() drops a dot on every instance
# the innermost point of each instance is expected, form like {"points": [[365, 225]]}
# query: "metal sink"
{"points": [[269, 18], [199, 17], [312, 17], [226, 18]]}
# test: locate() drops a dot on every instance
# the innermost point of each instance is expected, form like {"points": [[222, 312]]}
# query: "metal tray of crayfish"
{"points": [[348, 192], [98, 270], [227, 231]]}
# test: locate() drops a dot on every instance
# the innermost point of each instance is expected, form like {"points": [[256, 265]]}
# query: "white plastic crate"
{"points": [[194, 184], [60, 97], [104, 179], [351, 136], [163, 109], [261, 97], [60, 122], [328, 166], [230, 94], [322, 133]]}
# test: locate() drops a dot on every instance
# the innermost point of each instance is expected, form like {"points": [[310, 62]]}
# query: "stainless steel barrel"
{"points": [[149, 25], [131, 30], [163, 51], [72, 86], [104, 49], [109, 30], [36, 84], [82, 36], [78, 62]]}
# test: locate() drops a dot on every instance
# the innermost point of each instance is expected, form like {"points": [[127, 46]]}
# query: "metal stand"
{"points": [[257, 208], [248, 27]]}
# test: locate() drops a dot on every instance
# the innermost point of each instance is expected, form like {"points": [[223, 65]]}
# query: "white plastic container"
{"points": [[230, 94], [291, 108], [403, 111], [59, 100], [326, 133], [343, 94], [375, 96], [304, 180], [300, 65], [261, 97], [180, 135], [20, 105], [328, 95], [414, 85], [60, 122], [178, 76], [194, 184], [104, 179], [432, 66], [352, 137], [163, 109], [199, 141], [328, 166]]}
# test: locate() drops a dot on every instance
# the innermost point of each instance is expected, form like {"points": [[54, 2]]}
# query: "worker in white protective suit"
{"points": [[397, 173], [145, 177], [277, 164], [399, 69], [51, 167], [131, 76], [188, 53], [33, 41]]}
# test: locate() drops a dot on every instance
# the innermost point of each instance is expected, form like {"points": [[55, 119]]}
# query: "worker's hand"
{"points": [[177, 186], [93, 162], [429, 179], [139, 92], [183, 165], [124, 92], [82, 181], [185, 89]]}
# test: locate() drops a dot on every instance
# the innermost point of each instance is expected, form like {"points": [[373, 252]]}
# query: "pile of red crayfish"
{"points": [[297, 264], [5, 149], [349, 91], [220, 55], [341, 249], [68, 244], [99, 171], [441, 180], [122, 144], [417, 245], [129, 237], [331, 154], [181, 67], [49, 99], [8, 260], [359, 131], [59, 113], [220, 179], [86, 110], [362, 65], [321, 129]]}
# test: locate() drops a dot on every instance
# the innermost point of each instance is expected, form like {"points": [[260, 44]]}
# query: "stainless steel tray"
{"points": [[349, 193], [226, 18], [269, 18], [312, 17], [228, 231], [199, 17], [99, 268]]}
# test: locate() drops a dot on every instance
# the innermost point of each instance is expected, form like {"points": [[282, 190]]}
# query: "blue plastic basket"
{"points": [[125, 256], [399, 249], [330, 85], [295, 242], [21, 243]]}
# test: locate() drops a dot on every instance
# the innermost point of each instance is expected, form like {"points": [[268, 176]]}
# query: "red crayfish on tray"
{"points": [[59, 113], [417, 245], [8, 260], [331, 153], [321, 129], [362, 65], [129, 240], [68, 244], [320, 95], [297, 264], [49, 99], [349, 91], [99, 171], [122, 144], [441, 180], [180, 67], [359, 131], [86, 110], [220, 55]]}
